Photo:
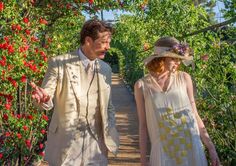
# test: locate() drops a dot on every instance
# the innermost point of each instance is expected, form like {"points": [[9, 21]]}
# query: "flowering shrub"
{"points": [[31, 32], [22, 136]]}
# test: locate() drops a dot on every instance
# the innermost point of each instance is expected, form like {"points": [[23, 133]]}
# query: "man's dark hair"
{"points": [[92, 27]]}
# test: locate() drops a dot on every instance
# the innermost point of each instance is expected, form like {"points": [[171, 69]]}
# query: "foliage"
{"points": [[214, 75], [113, 58], [230, 8]]}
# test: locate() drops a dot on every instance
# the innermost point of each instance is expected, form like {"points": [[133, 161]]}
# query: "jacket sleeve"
{"points": [[49, 83], [111, 108]]}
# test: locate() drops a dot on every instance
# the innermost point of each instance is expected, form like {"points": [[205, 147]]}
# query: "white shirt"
{"points": [[85, 61]]}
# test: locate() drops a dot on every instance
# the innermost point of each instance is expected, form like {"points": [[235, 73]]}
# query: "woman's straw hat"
{"points": [[181, 51]]}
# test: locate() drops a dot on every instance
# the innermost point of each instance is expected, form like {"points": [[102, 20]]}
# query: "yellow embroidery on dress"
{"points": [[165, 117], [169, 110], [172, 154], [170, 142], [187, 133], [183, 119], [183, 153], [177, 115], [172, 122], [175, 134], [180, 128], [163, 137], [177, 148], [167, 129], [175, 145], [189, 146], [182, 141], [161, 124], [165, 149]]}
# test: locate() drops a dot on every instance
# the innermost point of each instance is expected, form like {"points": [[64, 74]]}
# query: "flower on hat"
{"points": [[180, 49]]}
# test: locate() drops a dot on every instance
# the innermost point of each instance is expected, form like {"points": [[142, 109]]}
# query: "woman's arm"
{"points": [[142, 122], [203, 132]]}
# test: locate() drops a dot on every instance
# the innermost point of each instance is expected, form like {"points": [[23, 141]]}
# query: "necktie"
{"points": [[89, 70]]}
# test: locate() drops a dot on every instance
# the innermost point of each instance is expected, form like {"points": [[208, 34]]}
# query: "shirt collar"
{"points": [[85, 61]]}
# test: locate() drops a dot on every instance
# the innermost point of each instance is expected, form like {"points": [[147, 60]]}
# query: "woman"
{"points": [[167, 111]]}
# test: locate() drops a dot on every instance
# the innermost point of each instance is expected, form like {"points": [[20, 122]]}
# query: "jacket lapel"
{"points": [[73, 68]]}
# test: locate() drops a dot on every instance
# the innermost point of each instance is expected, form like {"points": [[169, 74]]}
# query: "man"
{"points": [[78, 86]]}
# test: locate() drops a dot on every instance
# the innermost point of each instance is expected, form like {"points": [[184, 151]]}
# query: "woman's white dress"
{"points": [[172, 126]]}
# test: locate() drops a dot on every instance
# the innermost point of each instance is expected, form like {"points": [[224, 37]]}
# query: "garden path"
{"points": [[127, 124]]}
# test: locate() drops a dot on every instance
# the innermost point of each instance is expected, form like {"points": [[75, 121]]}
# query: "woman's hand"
{"points": [[215, 161]]}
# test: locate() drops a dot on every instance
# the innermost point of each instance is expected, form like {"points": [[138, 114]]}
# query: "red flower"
{"points": [[6, 39], [23, 48], [10, 49], [27, 142], [30, 117], [7, 134], [45, 117], [9, 98], [19, 135], [33, 67], [41, 154], [13, 82], [42, 53], [5, 117], [3, 61], [91, 2], [15, 27], [25, 128], [27, 32], [18, 116], [1, 155], [4, 45], [43, 131], [18, 27], [25, 20], [41, 146], [68, 6], [8, 106], [4, 58], [43, 21], [36, 50], [1, 6], [23, 78]]}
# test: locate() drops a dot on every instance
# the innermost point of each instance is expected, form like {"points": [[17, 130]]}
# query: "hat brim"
{"points": [[167, 54]]}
